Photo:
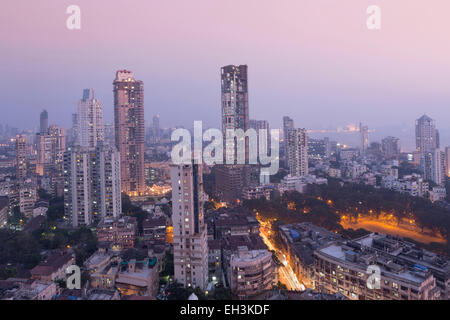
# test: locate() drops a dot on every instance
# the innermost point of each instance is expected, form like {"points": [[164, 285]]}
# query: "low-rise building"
{"points": [[154, 229], [257, 192], [40, 208], [299, 183], [438, 194], [298, 243], [345, 267], [214, 260], [251, 272], [120, 233], [232, 221], [31, 290], [53, 267], [413, 185], [139, 278]]}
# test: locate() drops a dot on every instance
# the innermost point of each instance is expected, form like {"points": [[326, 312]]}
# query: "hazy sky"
{"points": [[314, 60]]}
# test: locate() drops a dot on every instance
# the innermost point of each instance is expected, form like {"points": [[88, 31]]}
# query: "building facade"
{"points": [[297, 152], [343, 267], [235, 116], [90, 120], [391, 147], [91, 184], [21, 156], [189, 229], [251, 272], [129, 128], [427, 137]]}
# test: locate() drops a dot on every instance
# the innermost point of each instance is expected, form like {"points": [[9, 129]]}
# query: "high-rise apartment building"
{"points": [[77, 187], [91, 184], [235, 115], [364, 137], [190, 245], [109, 134], [156, 130], [432, 160], [50, 147], [447, 161], [129, 128], [74, 130], [235, 111], [426, 134], [106, 182], [297, 152], [43, 121], [391, 147], [90, 120], [433, 166], [261, 125], [288, 123], [21, 161]]}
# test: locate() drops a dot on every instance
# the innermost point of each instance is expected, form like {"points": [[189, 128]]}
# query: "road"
{"points": [[285, 273]]}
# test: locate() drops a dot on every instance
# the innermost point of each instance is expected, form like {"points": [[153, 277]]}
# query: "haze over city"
{"points": [[314, 60], [236, 153]]}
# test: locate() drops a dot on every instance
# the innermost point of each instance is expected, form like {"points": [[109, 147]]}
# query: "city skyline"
{"points": [[365, 79], [290, 150]]}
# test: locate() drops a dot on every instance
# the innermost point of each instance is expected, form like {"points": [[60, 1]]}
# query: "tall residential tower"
{"points": [[129, 128], [426, 134], [231, 178], [90, 120], [189, 229], [297, 152], [21, 161]]}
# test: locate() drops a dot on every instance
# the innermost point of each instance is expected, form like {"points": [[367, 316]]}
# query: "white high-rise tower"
{"points": [[90, 120], [190, 244], [297, 152]]}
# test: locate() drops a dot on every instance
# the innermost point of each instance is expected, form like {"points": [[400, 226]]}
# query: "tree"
{"points": [[17, 219]]}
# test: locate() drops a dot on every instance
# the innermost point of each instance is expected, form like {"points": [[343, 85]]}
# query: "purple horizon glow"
{"points": [[313, 60]]}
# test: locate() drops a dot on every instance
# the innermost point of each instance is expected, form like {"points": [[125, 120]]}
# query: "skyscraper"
{"points": [[156, 130], [129, 128], [189, 230], [364, 137], [91, 184], [50, 148], [90, 120], [297, 152], [235, 115], [426, 134], [106, 182], [288, 123], [74, 130], [261, 125], [433, 166], [21, 165], [77, 187], [43, 121], [234, 84]]}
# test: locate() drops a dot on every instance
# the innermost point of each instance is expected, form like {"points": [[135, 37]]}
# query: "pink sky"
{"points": [[314, 60]]}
